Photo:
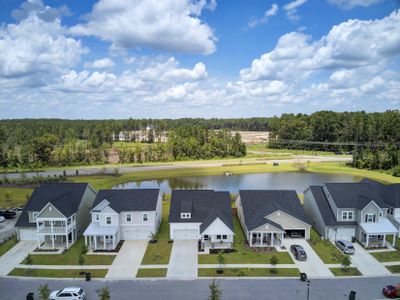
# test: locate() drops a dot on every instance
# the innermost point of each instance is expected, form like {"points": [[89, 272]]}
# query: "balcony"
{"points": [[57, 229]]}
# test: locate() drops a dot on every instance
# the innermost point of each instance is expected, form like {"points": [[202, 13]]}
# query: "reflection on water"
{"points": [[285, 180]]}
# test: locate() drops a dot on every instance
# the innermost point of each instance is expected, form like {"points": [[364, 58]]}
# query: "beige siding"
{"points": [[50, 211]]}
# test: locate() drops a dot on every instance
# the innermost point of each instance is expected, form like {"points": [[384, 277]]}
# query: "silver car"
{"points": [[70, 293], [345, 246]]}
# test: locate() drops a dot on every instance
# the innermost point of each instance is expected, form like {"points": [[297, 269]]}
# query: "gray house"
{"points": [[56, 214], [347, 210], [268, 216]]}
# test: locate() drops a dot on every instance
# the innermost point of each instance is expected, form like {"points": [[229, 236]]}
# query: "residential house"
{"points": [[123, 214], [202, 215], [346, 211], [56, 214], [269, 216]]}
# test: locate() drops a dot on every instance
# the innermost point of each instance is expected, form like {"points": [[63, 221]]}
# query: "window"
{"points": [[224, 237], [129, 217], [206, 238], [145, 217], [218, 237], [347, 215], [185, 215], [370, 218], [391, 210], [108, 220], [380, 214], [97, 217]]}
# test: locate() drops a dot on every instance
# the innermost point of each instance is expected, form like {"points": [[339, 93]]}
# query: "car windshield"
{"points": [[350, 247], [80, 291]]}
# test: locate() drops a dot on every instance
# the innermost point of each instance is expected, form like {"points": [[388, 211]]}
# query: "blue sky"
{"points": [[179, 58]]}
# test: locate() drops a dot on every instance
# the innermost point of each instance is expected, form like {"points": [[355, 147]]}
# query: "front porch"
{"points": [[99, 238], [56, 240], [373, 235], [266, 239]]}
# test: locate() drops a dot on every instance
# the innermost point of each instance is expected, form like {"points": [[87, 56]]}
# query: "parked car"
{"points": [[391, 291], [298, 252], [8, 214], [68, 293], [345, 246], [2, 219], [20, 208]]}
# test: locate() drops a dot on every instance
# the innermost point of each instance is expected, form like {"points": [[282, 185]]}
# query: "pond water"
{"points": [[298, 181]]}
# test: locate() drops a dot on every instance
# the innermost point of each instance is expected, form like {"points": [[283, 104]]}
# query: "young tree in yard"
{"points": [[84, 249], [274, 260], [215, 292], [44, 292], [346, 262], [221, 259], [104, 294], [81, 260], [29, 261]]}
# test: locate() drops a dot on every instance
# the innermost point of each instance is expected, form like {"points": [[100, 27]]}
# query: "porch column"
{"points": [[95, 242], [282, 236], [384, 240], [251, 239], [85, 239], [104, 241], [38, 241], [366, 241], [113, 241], [394, 239], [52, 241], [272, 238], [262, 239], [66, 236], [51, 226]]}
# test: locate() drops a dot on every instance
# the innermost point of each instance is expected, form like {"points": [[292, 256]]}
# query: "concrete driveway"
{"points": [[313, 266], [183, 261], [366, 263], [7, 228], [128, 260], [15, 255]]}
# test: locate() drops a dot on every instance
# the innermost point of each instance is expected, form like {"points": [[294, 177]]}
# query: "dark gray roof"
{"points": [[129, 199], [206, 206], [257, 204], [66, 197], [390, 193], [354, 195], [325, 209]]}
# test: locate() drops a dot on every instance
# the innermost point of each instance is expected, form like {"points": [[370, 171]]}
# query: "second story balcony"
{"points": [[55, 227]]}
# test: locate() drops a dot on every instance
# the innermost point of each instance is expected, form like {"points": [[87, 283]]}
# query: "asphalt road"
{"points": [[176, 165], [243, 289]]}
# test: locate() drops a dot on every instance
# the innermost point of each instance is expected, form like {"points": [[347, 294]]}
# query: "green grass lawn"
{"points": [[250, 272], [7, 245], [143, 273], [71, 257], [345, 272], [244, 254], [63, 273], [160, 252], [18, 196], [328, 253], [387, 256], [394, 269]]}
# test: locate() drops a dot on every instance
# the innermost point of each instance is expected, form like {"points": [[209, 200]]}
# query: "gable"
{"points": [[217, 227], [267, 227], [99, 207], [50, 211], [108, 210], [370, 208], [286, 221]]}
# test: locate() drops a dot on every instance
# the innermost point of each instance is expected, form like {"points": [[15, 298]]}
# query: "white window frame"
{"points": [[97, 217], [130, 216], [346, 215], [224, 236], [372, 218], [380, 215], [108, 218], [145, 215], [186, 215]]}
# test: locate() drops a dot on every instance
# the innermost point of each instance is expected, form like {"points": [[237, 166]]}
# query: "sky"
{"points": [[115, 59]]}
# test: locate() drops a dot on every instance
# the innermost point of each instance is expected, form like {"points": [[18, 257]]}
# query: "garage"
{"points": [[342, 233], [295, 233], [185, 234], [135, 234], [27, 234]]}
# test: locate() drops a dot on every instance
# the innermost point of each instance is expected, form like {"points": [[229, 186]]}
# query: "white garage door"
{"points": [[341, 234], [185, 234], [135, 234], [27, 235]]}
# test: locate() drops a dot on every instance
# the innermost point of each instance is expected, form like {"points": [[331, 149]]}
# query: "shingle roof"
{"points": [[129, 199], [206, 205], [257, 204], [66, 197], [354, 195], [390, 193], [325, 209]]}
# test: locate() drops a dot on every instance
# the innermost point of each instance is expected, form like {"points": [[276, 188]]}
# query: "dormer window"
{"points": [[186, 215], [347, 215], [370, 218]]}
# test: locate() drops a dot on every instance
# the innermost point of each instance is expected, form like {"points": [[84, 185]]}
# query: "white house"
{"points": [[269, 216], [202, 215], [123, 214]]}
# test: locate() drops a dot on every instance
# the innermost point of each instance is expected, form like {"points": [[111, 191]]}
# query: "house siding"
{"points": [[83, 213], [312, 212], [50, 212], [371, 208]]}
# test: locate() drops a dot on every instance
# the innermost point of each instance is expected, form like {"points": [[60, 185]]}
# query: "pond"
{"points": [[298, 181]]}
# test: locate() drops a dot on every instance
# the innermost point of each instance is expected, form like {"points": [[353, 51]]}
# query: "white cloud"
{"points": [[269, 13], [104, 63], [172, 25], [348, 4], [36, 49], [291, 9]]}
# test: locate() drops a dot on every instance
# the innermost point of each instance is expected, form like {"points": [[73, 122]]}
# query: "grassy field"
{"points": [[7, 245], [71, 257], [160, 252], [263, 148], [345, 272], [63, 273], [250, 272], [143, 273], [328, 253], [18, 196], [244, 254]]}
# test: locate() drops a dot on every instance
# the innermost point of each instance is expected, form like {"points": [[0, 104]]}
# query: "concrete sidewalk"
{"points": [[128, 260], [15, 255], [254, 266], [64, 267]]}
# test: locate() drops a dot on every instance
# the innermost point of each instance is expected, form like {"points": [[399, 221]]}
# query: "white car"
{"points": [[69, 293], [2, 219]]}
